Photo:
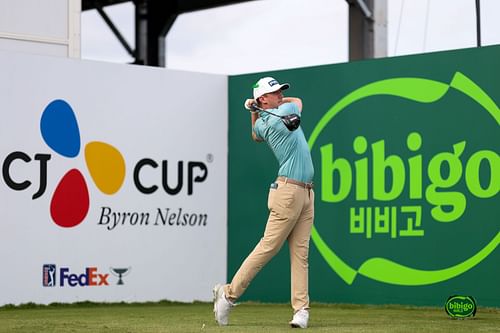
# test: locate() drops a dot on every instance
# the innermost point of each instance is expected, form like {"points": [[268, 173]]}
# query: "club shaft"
{"points": [[262, 110]]}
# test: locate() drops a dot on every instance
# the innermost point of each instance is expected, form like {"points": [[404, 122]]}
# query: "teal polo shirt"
{"points": [[290, 148]]}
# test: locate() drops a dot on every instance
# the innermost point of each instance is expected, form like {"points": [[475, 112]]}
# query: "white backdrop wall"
{"points": [[168, 245], [41, 27]]}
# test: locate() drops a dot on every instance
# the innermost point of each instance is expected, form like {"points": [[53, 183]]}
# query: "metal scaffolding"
{"points": [[154, 18]]}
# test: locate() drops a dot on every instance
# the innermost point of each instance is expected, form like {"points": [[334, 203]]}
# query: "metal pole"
{"points": [[478, 22], [367, 29], [141, 32], [115, 30]]}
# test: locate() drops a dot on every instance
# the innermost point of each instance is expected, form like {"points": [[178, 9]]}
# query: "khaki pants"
{"points": [[291, 214]]}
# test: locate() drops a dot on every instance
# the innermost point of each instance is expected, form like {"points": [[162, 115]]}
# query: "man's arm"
{"points": [[255, 116], [295, 100]]}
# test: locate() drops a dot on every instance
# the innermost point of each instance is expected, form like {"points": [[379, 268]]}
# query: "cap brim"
{"points": [[283, 86]]}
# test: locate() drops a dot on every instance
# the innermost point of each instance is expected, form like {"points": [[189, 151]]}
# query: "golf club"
{"points": [[291, 121]]}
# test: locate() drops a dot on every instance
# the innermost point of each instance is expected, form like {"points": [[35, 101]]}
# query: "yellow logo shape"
{"points": [[106, 166]]}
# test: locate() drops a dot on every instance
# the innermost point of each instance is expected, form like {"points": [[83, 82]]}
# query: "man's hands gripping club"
{"points": [[291, 121]]}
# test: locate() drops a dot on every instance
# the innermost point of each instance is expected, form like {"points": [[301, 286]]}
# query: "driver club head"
{"points": [[291, 121]]}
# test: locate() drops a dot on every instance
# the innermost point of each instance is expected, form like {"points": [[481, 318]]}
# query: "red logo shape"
{"points": [[70, 202]]}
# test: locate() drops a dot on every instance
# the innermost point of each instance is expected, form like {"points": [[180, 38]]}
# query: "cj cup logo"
{"points": [[410, 177], [70, 202]]}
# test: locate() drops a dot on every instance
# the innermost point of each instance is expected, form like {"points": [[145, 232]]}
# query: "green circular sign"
{"points": [[460, 307], [423, 91]]}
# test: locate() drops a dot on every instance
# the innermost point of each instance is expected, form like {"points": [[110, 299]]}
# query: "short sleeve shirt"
{"points": [[289, 147]]}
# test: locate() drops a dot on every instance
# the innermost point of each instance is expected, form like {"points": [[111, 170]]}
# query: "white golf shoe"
{"points": [[222, 306], [300, 319]]}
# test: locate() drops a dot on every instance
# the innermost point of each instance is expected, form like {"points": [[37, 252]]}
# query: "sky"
{"points": [[266, 35]]}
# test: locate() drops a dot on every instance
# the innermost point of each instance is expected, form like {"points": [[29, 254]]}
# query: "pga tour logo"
{"points": [[49, 275], [90, 277]]}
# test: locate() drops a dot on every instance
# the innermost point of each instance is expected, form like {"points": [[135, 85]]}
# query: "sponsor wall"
{"points": [[114, 182], [407, 179]]}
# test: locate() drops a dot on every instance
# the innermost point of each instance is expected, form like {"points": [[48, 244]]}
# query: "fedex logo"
{"points": [[91, 277]]}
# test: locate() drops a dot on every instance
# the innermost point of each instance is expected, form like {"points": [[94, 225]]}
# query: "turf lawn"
{"points": [[246, 317]]}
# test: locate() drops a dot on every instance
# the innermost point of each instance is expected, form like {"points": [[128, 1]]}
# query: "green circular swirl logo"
{"points": [[423, 91]]}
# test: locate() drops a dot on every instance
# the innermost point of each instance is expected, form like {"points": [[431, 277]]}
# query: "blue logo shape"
{"points": [[59, 128]]}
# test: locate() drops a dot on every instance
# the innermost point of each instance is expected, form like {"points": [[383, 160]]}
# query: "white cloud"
{"points": [[277, 34]]}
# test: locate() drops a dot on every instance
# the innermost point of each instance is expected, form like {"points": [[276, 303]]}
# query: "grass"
{"points": [[247, 317]]}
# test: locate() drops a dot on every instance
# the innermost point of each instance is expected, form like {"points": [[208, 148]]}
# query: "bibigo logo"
{"points": [[394, 191]]}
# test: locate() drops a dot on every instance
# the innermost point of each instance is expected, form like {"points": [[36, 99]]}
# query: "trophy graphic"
{"points": [[119, 273]]}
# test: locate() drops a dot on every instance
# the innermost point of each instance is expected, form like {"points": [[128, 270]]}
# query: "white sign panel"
{"points": [[41, 27], [113, 182]]}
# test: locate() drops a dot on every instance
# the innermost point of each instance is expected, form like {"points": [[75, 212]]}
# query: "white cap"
{"points": [[267, 85]]}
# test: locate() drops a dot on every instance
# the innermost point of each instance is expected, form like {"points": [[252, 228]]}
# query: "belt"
{"points": [[307, 186]]}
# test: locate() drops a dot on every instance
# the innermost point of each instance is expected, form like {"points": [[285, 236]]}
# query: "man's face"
{"points": [[272, 100]]}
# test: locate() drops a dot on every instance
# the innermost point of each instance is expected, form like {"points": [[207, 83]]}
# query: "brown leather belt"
{"points": [[307, 186]]}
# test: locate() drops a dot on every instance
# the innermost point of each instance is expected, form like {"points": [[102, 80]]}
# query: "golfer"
{"points": [[290, 202]]}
